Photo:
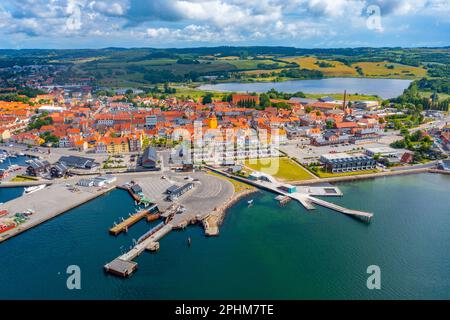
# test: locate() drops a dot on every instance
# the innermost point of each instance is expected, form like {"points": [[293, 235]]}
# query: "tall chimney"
{"points": [[345, 98]]}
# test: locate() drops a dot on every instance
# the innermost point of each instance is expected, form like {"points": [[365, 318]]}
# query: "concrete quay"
{"points": [[47, 204], [209, 197]]}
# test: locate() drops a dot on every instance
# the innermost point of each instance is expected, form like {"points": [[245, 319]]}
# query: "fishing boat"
{"points": [[33, 189]]}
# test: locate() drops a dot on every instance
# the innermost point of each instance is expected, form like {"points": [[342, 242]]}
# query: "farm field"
{"points": [[338, 70], [381, 69], [369, 69]]}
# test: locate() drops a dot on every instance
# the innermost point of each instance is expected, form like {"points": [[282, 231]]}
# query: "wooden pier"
{"points": [[125, 224]]}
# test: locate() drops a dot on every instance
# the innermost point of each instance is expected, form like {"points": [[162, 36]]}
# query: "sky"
{"points": [[60, 24]]}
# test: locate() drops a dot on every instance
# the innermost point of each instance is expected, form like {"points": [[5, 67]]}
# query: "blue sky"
{"points": [[188, 23]]}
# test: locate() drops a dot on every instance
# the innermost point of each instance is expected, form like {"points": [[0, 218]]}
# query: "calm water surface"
{"points": [[262, 252], [384, 88]]}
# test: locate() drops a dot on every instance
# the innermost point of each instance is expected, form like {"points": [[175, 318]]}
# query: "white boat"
{"points": [[250, 202], [32, 189]]}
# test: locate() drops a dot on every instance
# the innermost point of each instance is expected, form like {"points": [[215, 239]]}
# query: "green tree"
{"points": [[208, 98]]}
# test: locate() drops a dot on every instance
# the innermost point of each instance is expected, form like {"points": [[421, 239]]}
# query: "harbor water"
{"points": [[263, 252]]}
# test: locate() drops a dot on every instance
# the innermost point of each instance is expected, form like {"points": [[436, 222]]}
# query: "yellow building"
{"points": [[5, 134], [212, 122], [117, 145]]}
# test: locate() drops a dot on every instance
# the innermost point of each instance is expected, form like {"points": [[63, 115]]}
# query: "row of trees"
{"points": [[412, 96]]}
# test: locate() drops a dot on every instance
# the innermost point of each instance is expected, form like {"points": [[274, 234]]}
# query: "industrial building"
{"points": [[37, 167], [59, 170], [175, 192], [78, 162]]}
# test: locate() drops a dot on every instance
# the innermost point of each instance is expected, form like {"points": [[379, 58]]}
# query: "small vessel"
{"points": [[32, 189], [250, 202], [28, 212], [4, 228], [13, 167], [189, 241]]}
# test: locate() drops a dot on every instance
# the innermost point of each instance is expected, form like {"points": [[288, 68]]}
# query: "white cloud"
{"points": [[210, 20]]}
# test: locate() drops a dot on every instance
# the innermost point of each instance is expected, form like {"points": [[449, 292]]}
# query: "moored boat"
{"points": [[32, 189], [4, 227]]}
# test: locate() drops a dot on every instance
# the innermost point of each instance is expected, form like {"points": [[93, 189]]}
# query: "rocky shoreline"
{"points": [[212, 222]]}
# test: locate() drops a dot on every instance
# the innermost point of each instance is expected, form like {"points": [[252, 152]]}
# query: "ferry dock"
{"points": [[124, 265], [134, 218], [204, 198]]}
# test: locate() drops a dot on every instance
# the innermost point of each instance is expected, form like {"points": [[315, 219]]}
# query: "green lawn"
{"points": [[281, 168], [323, 174]]}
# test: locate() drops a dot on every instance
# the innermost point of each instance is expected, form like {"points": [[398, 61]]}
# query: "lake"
{"points": [[384, 88]]}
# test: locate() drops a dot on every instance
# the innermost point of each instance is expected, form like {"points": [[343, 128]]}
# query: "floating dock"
{"points": [[121, 268]]}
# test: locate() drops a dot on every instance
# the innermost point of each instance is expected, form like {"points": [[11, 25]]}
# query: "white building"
{"points": [[50, 109]]}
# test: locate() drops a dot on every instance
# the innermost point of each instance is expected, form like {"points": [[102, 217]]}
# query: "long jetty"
{"points": [[305, 199], [361, 215], [124, 265]]}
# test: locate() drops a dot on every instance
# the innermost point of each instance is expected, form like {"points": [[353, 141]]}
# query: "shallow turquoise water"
{"points": [[262, 252]]}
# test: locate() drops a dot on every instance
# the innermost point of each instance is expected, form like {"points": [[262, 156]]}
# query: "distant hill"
{"points": [[146, 66]]}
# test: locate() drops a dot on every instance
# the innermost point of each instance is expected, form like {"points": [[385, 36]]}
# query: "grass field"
{"points": [[323, 174], [283, 169], [427, 94], [338, 69], [380, 69], [254, 63], [238, 186], [20, 178], [340, 96], [369, 69]]}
